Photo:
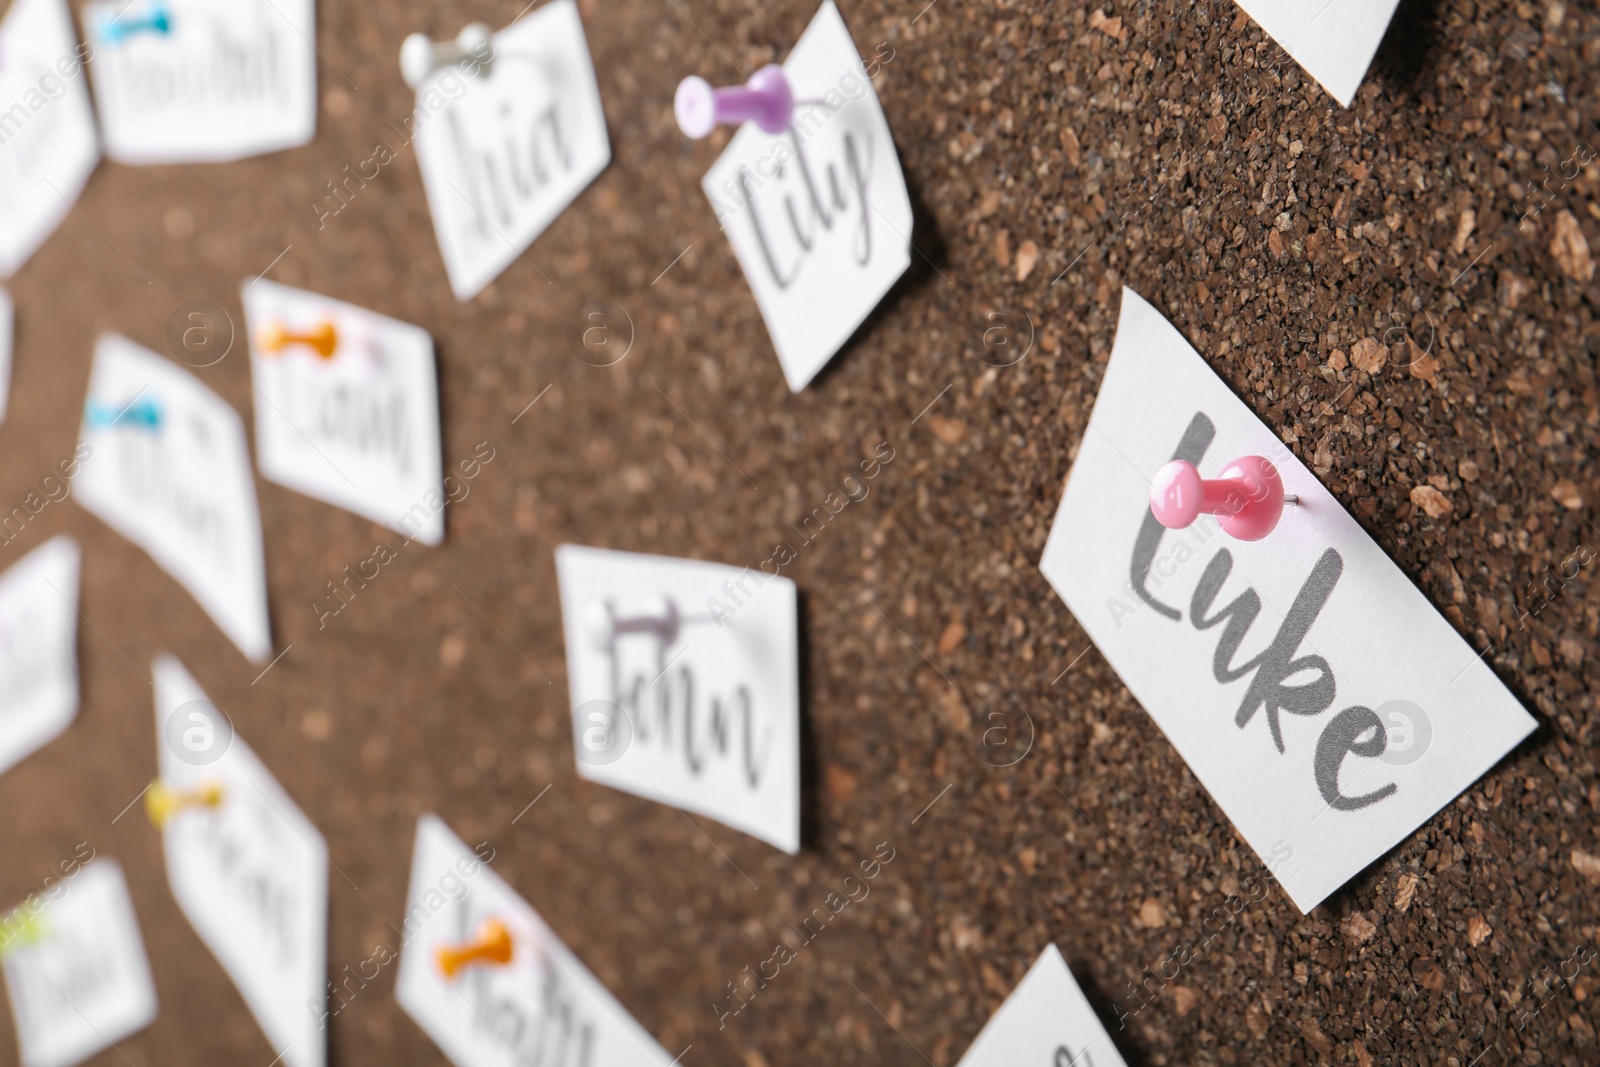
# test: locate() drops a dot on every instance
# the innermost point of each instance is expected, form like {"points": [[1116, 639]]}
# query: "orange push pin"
{"points": [[162, 802], [491, 946], [275, 337]]}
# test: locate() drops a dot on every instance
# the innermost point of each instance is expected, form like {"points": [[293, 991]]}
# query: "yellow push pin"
{"points": [[491, 946], [19, 930], [275, 337], [162, 802]]}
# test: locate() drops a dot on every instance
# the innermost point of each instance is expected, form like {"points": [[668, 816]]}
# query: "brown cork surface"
{"points": [[1360, 276]]}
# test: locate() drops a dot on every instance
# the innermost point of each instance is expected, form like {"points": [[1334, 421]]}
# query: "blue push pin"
{"points": [[141, 413], [116, 31]]}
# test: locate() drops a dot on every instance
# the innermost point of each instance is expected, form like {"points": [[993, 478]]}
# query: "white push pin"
{"points": [[660, 619], [420, 57]]}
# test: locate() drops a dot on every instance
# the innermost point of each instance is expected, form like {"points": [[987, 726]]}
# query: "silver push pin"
{"points": [[659, 619], [420, 57]]}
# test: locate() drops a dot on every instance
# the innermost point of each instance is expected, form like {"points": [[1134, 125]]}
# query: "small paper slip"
{"points": [[202, 81], [503, 151], [515, 994], [170, 471], [1045, 1022], [48, 144], [685, 685], [1334, 40], [347, 407], [38, 648], [1316, 694], [7, 341], [249, 872], [75, 968], [819, 217]]}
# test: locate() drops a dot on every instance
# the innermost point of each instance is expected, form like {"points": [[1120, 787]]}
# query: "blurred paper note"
{"points": [[197, 81], [38, 647], [1045, 1022], [48, 145], [818, 216], [347, 407], [7, 346], [1334, 40], [1316, 694], [75, 967], [507, 144], [170, 471], [685, 685], [249, 872], [513, 994]]}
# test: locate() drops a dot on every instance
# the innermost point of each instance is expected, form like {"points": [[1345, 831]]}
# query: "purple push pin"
{"points": [[1249, 497], [766, 101]]}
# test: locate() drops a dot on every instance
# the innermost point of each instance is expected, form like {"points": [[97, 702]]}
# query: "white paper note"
{"points": [[1327, 623], [48, 144], [347, 407], [250, 874], [38, 648], [197, 81], [702, 713], [540, 1006], [819, 217], [170, 471], [1045, 1022], [503, 151], [1334, 40], [7, 341], [76, 969]]}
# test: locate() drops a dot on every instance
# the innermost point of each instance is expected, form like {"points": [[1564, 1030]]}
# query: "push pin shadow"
{"points": [[766, 100], [275, 337], [1248, 498], [491, 946], [162, 802], [660, 619], [116, 29], [420, 57]]}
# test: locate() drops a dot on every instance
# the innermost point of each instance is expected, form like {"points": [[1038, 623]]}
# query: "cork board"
{"points": [[1053, 154]]}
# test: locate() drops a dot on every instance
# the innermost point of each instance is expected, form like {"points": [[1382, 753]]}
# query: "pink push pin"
{"points": [[1249, 497], [766, 101]]}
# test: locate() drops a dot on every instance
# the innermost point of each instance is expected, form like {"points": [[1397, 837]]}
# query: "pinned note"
{"points": [[48, 144], [685, 685], [1334, 40], [170, 471], [1045, 1022], [7, 325], [347, 407], [76, 969], [506, 139], [38, 648], [490, 983], [1318, 696], [247, 868], [199, 81], [818, 216]]}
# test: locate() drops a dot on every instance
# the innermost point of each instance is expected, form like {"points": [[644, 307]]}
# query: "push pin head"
{"points": [[766, 101], [420, 57], [162, 802], [118, 29], [492, 945], [660, 618], [275, 337], [139, 412], [1248, 497]]}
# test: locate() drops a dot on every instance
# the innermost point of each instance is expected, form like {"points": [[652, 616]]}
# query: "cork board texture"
{"points": [[1380, 284]]}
